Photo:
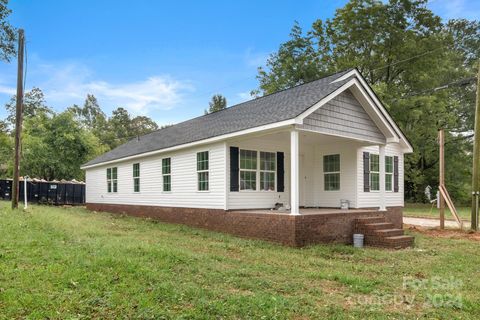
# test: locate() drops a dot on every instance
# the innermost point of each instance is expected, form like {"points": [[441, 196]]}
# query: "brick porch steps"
{"points": [[379, 233]]}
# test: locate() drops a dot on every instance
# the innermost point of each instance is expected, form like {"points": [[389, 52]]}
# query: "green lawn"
{"points": [[73, 264], [425, 210]]}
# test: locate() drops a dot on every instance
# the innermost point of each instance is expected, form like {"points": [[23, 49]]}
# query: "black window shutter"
{"points": [[280, 172], [395, 173], [234, 169], [366, 172]]}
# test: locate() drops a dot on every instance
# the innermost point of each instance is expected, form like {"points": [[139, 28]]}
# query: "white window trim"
{"points": [[247, 170], [111, 180], [257, 171], [370, 174], [199, 171], [389, 173], [168, 174], [267, 171], [133, 178], [332, 172]]}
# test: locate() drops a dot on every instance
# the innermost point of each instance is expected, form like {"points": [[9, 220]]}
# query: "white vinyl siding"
{"points": [[259, 199], [314, 178], [371, 199], [183, 174], [344, 116]]}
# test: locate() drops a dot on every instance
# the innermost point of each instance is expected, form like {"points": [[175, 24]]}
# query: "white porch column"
{"points": [[381, 156], [294, 173]]}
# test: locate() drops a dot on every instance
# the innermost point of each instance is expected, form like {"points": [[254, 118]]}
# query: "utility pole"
{"points": [[18, 119], [441, 143], [476, 159]]}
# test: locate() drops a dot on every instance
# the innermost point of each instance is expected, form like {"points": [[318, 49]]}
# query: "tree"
{"points": [[90, 115], [55, 146], [123, 127], [142, 125], [7, 33], [6, 153], [402, 49], [33, 105], [217, 103]]}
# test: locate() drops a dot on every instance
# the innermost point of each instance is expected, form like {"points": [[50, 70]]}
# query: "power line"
{"points": [[25, 69], [457, 83], [408, 59]]}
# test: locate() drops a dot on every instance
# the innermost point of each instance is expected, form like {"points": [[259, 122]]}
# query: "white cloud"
{"points": [[244, 96], [7, 90], [69, 83]]}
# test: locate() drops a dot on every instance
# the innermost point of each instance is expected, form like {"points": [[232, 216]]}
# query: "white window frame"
{"points": [[254, 171], [112, 181], [257, 171], [274, 171], [389, 174], [169, 174], [325, 173], [372, 172], [207, 171], [136, 178]]}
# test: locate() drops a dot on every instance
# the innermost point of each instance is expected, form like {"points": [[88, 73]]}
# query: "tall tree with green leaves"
{"points": [[7, 33], [56, 145], [33, 104], [217, 103], [403, 49], [6, 150]]}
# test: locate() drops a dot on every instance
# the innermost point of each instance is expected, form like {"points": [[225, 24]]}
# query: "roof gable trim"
{"points": [[373, 107], [374, 97]]}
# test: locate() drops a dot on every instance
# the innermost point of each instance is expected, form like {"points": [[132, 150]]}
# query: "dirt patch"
{"points": [[446, 233]]}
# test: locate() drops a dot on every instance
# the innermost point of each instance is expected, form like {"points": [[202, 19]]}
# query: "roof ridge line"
{"points": [[241, 103]]}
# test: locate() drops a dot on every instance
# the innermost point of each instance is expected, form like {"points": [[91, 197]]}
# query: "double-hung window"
{"points": [[374, 172], [331, 172], [267, 171], [136, 177], [248, 170], [202, 170], [112, 179], [166, 173], [388, 173]]}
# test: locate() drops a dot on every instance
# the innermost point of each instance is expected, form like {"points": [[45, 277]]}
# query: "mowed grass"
{"points": [[424, 210], [69, 263]]}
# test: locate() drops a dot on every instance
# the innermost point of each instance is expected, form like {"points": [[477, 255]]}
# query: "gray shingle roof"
{"points": [[283, 105]]}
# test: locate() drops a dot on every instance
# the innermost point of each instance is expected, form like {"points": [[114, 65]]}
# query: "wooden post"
{"points": [[476, 159], [441, 180], [18, 119]]}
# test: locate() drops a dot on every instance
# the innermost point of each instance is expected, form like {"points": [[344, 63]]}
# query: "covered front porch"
{"points": [[309, 185]]}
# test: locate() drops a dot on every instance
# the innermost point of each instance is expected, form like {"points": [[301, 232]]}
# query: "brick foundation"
{"points": [[289, 230]]}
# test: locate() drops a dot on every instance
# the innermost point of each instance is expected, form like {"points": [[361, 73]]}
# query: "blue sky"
{"points": [[164, 59]]}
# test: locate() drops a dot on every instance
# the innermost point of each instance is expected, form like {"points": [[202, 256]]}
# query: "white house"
{"points": [[311, 146]]}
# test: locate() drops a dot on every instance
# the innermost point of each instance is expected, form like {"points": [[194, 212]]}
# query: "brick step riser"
{"points": [[377, 232], [380, 232]]}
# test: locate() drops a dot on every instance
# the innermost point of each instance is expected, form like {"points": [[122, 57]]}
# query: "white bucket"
{"points": [[358, 240]]}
